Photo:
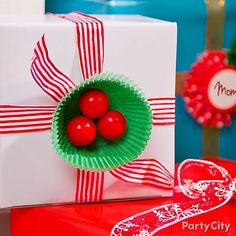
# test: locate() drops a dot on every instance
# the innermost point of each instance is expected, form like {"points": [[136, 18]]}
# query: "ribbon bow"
{"points": [[200, 196], [56, 84]]}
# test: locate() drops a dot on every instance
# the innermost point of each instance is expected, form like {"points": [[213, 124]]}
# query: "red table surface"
{"points": [[98, 219]]}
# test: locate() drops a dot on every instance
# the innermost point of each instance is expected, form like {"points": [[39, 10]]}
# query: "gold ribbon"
{"points": [[180, 78], [215, 24], [214, 40]]}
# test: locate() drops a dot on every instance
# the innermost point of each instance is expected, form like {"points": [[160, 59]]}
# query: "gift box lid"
{"points": [[106, 19]]}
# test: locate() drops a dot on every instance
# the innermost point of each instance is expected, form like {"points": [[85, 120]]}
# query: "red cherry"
{"points": [[93, 103], [112, 125], [81, 131]]}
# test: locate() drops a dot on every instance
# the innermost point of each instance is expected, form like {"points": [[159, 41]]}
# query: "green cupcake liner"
{"points": [[102, 154]]}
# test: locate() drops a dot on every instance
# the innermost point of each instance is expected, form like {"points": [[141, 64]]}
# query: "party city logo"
{"points": [[214, 225]]}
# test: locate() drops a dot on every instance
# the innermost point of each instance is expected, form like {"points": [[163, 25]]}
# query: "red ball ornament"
{"points": [[93, 103], [112, 125], [81, 131]]}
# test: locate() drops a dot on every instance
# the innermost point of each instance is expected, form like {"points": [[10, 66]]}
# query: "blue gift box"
{"points": [[191, 17]]}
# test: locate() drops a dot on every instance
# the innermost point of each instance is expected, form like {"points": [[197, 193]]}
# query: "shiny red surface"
{"points": [[93, 103], [98, 219], [112, 125], [81, 131]]}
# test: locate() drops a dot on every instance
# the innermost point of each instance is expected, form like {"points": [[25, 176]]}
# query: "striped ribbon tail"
{"points": [[90, 42], [145, 171], [23, 119], [49, 78], [89, 186], [163, 111]]}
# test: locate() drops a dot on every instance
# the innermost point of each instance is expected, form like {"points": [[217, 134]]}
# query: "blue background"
{"points": [[191, 16]]}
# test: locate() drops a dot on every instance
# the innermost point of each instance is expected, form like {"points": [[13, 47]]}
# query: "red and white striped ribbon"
{"points": [[89, 186], [49, 78], [163, 110], [140, 171], [23, 119], [145, 171], [90, 41]]}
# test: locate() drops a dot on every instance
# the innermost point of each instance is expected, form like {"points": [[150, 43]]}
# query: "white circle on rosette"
{"points": [[222, 90]]}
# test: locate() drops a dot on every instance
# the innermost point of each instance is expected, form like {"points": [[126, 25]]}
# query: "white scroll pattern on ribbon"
{"points": [[204, 196]]}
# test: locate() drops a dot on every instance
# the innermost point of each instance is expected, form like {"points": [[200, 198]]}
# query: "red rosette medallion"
{"points": [[210, 90]]}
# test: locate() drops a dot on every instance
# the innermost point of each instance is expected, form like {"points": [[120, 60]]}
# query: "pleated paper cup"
{"points": [[103, 154]]}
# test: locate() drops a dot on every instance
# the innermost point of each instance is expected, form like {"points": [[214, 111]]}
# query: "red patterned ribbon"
{"points": [[51, 80], [140, 171], [90, 42], [89, 186], [21, 119], [163, 110], [201, 196], [145, 171]]}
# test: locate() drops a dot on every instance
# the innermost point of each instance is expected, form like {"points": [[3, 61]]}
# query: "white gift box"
{"points": [[143, 49], [22, 7]]}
